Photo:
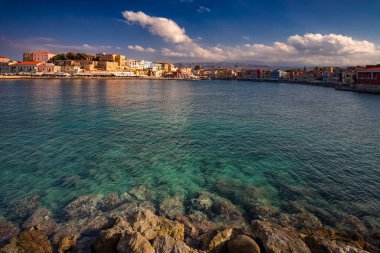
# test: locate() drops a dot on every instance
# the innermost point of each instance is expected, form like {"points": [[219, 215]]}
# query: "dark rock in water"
{"points": [[216, 241], [166, 244], [352, 226], [134, 243], [261, 211], [23, 209], [109, 202], [203, 203], [201, 222], [7, 230], [108, 239], [171, 207], [68, 181], [30, 241], [43, 219], [243, 244], [140, 193], [227, 213], [300, 221], [82, 207], [275, 238], [322, 245], [125, 211]]}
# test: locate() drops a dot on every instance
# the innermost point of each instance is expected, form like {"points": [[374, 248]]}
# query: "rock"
{"points": [[151, 226], [66, 244], [352, 226], [227, 213], [109, 202], [83, 244], [134, 243], [261, 211], [166, 244], [7, 230], [124, 211], [68, 181], [203, 202], [140, 193], [242, 244], [171, 207], [108, 239], [276, 239], [217, 240], [30, 241], [190, 230], [23, 209], [43, 219], [201, 222], [322, 245], [301, 221], [82, 207]]}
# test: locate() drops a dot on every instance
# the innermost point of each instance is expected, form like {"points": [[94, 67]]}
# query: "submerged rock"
{"points": [[276, 239], [353, 226], [140, 193], [43, 219], [323, 245], [23, 209], [7, 230], [28, 241], [172, 207], [300, 221], [203, 203], [134, 243], [243, 244], [82, 207], [109, 202]]}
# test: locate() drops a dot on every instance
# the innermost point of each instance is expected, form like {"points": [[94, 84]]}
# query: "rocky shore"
{"points": [[132, 223]]}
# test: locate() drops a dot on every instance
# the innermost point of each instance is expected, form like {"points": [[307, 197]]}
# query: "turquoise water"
{"points": [[64, 138]]}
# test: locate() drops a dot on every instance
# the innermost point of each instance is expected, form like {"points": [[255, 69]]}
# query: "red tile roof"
{"points": [[27, 63], [370, 70]]}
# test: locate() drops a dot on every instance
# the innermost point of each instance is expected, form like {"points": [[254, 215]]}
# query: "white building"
{"points": [[278, 74]]}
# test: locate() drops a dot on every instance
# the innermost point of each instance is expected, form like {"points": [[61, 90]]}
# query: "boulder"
{"points": [[108, 239], [216, 240], [30, 241], [7, 230], [66, 244], [151, 226], [134, 243], [322, 245], [277, 239], [242, 244], [166, 244], [43, 219], [171, 207], [83, 207]]}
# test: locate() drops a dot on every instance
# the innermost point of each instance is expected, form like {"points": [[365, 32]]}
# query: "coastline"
{"points": [[205, 223]]}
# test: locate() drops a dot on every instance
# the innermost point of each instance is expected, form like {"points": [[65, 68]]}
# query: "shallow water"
{"points": [[249, 142]]}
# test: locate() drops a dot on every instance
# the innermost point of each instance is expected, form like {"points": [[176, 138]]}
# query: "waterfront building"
{"points": [[48, 68], [348, 76], [4, 59], [29, 67], [108, 66], [42, 56], [5, 67], [369, 77], [277, 74], [120, 59], [107, 57]]}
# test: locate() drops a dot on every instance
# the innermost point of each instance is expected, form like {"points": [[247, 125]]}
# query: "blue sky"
{"points": [[218, 30]]}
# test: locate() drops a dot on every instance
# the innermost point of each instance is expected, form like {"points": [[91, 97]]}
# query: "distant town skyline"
{"points": [[274, 32]]}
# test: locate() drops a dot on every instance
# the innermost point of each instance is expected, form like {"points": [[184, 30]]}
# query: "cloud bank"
{"points": [[141, 49], [310, 48]]}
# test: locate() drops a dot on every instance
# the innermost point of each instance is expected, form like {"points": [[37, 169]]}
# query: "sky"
{"points": [[286, 32]]}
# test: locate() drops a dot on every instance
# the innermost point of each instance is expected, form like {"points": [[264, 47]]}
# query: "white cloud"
{"points": [[163, 27], [141, 49], [313, 49], [203, 9]]}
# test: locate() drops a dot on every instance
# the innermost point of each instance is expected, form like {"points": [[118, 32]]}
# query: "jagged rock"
{"points": [[171, 207], [166, 244], [277, 239], [301, 221], [43, 219], [322, 245], [152, 226], [23, 209], [30, 241], [242, 244], [108, 239], [216, 241], [203, 202], [227, 213], [134, 243], [261, 211], [109, 202], [7, 230], [190, 230], [124, 211], [83, 244], [66, 244], [82, 207], [140, 193], [201, 222], [353, 226]]}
